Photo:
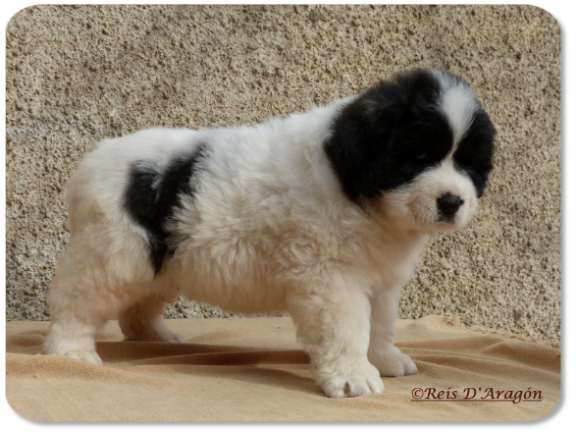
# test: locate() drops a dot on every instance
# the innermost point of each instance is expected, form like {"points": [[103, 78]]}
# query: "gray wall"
{"points": [[78, 74]]}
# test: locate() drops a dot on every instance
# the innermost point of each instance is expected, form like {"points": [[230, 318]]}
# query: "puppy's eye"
{"points": [[422, 156]]}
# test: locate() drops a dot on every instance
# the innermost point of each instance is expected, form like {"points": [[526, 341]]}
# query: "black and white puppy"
{"points": [[322, 214]]}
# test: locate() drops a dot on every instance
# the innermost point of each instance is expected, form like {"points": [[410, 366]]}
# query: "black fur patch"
{"points": [[393, 132], [151, 198], [474, 153]]}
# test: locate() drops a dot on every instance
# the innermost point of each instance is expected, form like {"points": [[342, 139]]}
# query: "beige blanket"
{"points": [[252, 369]]}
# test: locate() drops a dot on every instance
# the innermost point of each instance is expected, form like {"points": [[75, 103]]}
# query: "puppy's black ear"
{"points": [[360, 141], [361, 148], [475, 153]]}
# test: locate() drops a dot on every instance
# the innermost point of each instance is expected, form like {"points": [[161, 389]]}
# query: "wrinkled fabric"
{"points": [[253, 369]]}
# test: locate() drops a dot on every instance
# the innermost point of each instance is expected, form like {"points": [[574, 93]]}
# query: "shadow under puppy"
{"points": [[322, 214]]}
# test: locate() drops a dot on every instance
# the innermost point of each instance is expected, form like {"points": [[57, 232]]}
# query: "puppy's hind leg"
{"points": [[144, 321], [78, 308]]}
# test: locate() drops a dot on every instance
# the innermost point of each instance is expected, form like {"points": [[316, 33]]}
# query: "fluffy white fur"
{"points": [[269, 231]]}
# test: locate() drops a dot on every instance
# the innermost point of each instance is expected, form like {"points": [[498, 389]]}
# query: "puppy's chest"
{"points": [[393, 262]]}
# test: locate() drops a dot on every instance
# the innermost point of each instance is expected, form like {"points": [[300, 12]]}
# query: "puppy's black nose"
{"points": [[449, 204]]}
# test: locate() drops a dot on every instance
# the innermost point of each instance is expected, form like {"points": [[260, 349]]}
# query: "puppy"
{"points": [[322, 214]]}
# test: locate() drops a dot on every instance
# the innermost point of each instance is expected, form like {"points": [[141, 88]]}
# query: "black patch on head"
{"points": [[474, 154], [389, 135], [151, 198], [395, 131]]}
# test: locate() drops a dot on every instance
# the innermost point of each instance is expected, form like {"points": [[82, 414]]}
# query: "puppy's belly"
{"points": [[240, 290], [238, 299]]}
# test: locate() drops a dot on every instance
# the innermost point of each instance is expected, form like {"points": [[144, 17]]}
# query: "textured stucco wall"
{"points": [[78, 74]]}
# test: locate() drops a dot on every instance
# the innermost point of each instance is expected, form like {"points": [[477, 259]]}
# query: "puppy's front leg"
{"points": [[390, 361], [333, 323]]}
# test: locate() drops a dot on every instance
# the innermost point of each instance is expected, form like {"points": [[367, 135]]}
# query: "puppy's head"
{"points": [[415, 151]]}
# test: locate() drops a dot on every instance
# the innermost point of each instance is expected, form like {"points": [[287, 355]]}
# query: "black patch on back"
{"points": [[151, 198]]}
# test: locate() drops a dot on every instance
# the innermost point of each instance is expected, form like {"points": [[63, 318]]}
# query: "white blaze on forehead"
{"points": [[458, 102]]}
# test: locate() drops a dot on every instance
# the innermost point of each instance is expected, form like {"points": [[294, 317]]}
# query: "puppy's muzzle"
{"points": [[448, 205]]}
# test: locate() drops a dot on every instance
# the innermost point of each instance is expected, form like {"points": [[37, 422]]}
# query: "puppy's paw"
{"points": [[362, 380], [172, 338], [89, 356], [85, 356], [75, 347], [392, 362]]}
